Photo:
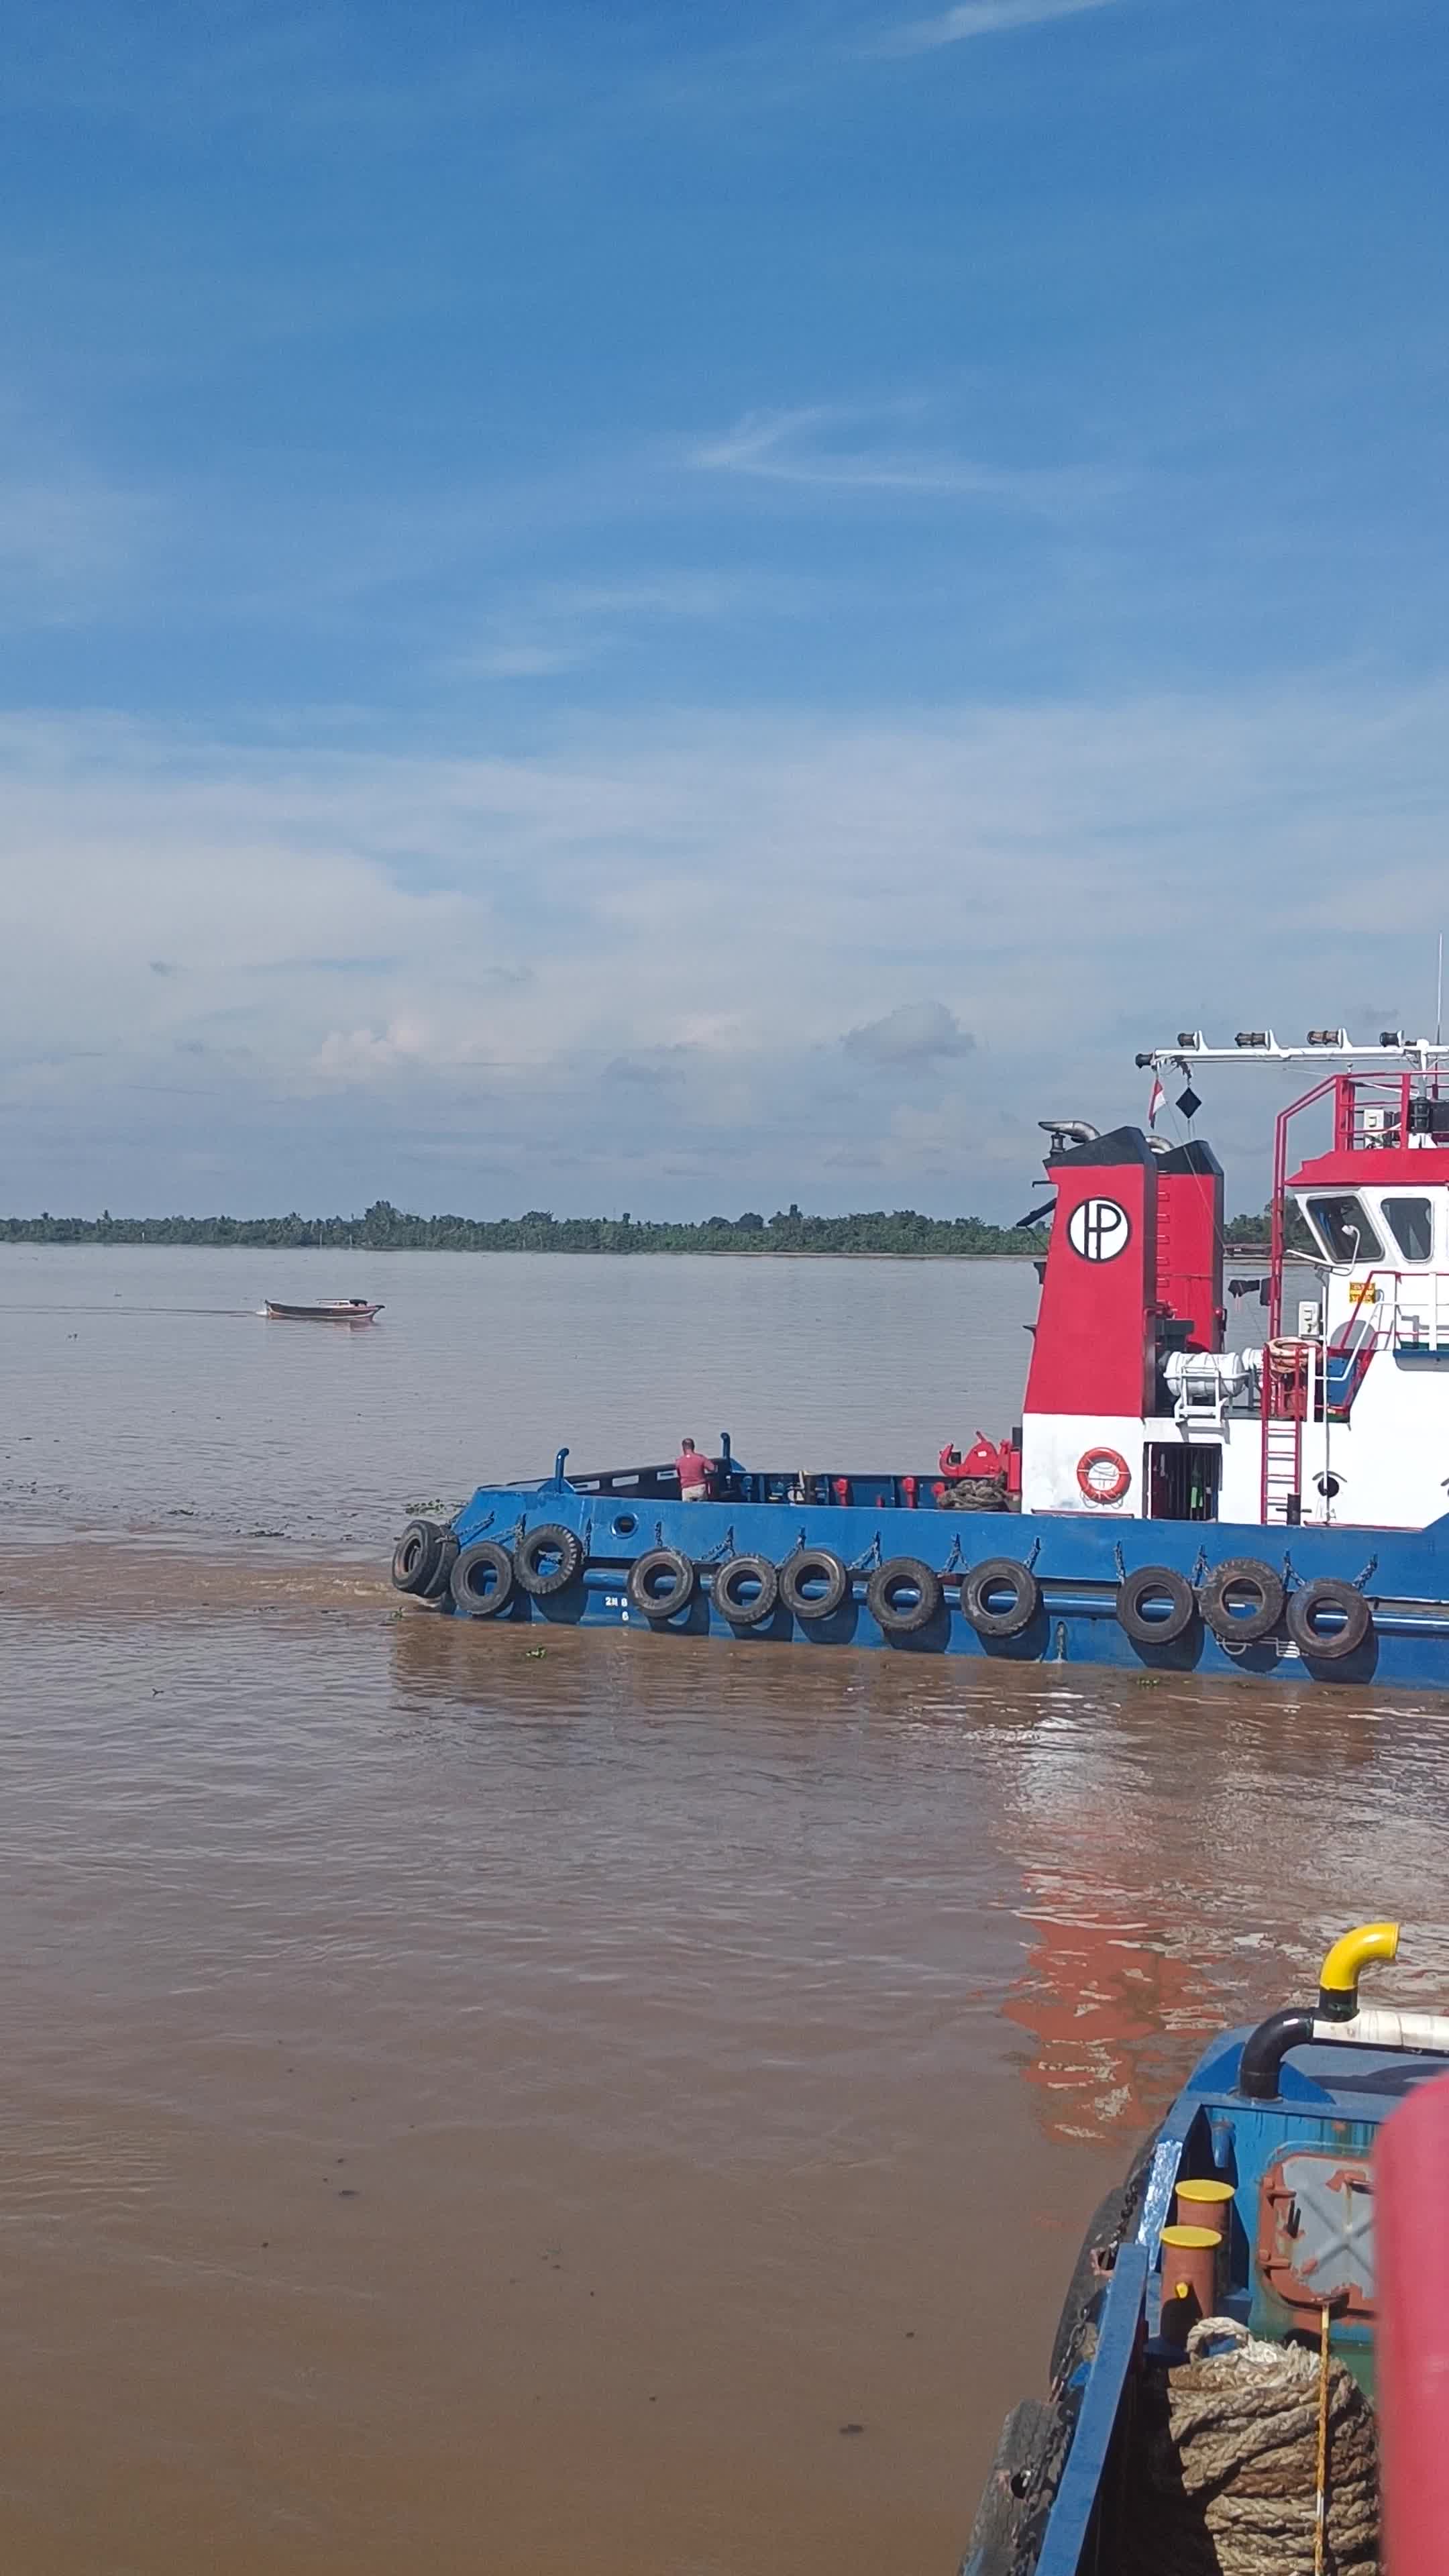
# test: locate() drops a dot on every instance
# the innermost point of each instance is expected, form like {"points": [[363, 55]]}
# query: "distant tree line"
{"points": [[387, 1229], [1257, 1230], [1249, 1229]]}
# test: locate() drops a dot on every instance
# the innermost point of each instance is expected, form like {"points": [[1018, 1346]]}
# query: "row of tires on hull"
{"points": [[1241, 1601]]}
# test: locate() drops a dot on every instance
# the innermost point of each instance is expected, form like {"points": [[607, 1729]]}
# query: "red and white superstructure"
{"points": [[1136, 1408]]}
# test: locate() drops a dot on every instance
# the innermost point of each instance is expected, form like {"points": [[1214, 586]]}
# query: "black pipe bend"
{"points": [[1265, 2049]]}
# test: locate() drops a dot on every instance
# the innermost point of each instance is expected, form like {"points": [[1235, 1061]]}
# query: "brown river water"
{"points": [[632, 2104]]}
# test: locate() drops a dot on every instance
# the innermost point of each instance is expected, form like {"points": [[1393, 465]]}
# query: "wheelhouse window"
{"points": [[1411, 1223], [1344, 1228]]}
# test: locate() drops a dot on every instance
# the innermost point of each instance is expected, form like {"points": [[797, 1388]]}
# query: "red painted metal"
{"points": [[1190, 1253], [1380, 1156], [1348, 1167], [1359, 1098], [1411, 2205], [985, 1457], [1095, 1347], [1335, 1084]]}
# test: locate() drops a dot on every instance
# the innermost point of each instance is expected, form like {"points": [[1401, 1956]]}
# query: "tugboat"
{"points": [[1255, 2336], [1164, 1501]]}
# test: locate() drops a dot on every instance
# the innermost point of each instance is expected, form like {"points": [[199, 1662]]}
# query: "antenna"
{"points": [[1439, 995], [1324, 1046]]}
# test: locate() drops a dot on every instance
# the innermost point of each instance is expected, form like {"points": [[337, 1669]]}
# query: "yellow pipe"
{"points": [[1349, 1956]]}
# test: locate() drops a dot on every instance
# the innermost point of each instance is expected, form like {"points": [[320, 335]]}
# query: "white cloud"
{"points": [[564, 625], [980, 18], [518, 657], [350, 1051], [914, 1033], [806, 447], [66, 541], [419, 970]]}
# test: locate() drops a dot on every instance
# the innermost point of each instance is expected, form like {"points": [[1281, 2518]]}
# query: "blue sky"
{"points": [[681, 609]]}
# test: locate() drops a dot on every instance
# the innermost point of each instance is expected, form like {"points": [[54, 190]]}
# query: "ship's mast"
{"points": [[1323, 1046]]}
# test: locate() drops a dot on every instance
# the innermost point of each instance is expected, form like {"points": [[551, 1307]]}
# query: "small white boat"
{"points": [[327, 1310]]}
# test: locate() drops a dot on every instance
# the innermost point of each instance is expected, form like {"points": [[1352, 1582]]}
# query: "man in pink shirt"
{"points": [[696, 1474]]}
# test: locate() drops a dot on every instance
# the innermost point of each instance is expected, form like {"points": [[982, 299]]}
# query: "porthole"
{"points": [[625, 1524]]}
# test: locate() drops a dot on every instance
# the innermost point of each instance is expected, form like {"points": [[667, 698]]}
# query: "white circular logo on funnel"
{"points": [[1099, 1229]]}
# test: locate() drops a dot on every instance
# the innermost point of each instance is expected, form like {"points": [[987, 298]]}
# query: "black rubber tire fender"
{"points": [[1030, 2452], [1146, 1583], [903, 1618], [481, 1600], [814, 1565], [1116, 2212], [447, 1558], [1242, 1574], [977, 1586], [756, 1608], [654, 1562], [549, 1539], [415, 1557], [1325, 1592]]}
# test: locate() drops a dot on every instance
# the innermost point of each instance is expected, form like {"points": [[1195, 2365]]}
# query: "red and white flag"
{"points": [[1155, 1103]]}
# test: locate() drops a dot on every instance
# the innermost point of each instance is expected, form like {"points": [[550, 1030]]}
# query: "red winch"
{"points": [[983, 1458]]}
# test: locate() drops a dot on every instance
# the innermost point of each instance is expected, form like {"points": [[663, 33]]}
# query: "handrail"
{"points": [[1434, 1303]]}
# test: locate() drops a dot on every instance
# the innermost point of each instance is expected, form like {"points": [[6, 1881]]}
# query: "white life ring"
{"points": [[1103, 1475]]}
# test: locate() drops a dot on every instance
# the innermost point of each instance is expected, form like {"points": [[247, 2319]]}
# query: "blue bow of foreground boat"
{"points": [[1236, 2266]]}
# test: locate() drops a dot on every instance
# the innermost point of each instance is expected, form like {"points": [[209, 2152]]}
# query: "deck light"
{"points": [[1251, 1038], [1328, 1037], [1189, 1037], [1391, 1037]]}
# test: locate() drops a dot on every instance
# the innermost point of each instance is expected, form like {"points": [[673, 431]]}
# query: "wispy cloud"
{"points": [[66, 543], [549, 938], [565, 625], [820, 446], [979, 18]]}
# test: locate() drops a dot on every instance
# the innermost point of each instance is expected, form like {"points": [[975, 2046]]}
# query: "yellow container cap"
{"points": [[1186, 2236], [1208, 2193]]}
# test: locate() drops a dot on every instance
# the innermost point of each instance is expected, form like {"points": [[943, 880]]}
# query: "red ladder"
{"points": [[1282, 1466], [1288, 1370]]}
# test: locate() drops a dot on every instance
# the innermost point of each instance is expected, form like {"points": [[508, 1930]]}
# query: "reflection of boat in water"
{"points": [[324, 1310], [1107, 2007], [1257, 2315]]}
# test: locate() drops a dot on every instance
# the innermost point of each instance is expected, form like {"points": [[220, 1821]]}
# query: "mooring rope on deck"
{"points": [[1231, 2466]]}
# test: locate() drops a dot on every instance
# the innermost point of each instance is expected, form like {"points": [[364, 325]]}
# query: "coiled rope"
{"points": [[1229, 2464]]}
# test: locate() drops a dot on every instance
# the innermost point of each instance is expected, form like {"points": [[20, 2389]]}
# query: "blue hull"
{"points": [[1078, 1564], [1291, 2145]]}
